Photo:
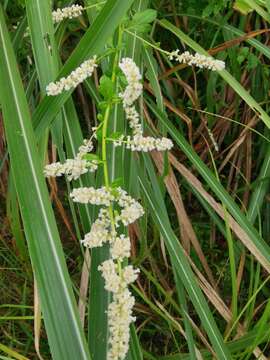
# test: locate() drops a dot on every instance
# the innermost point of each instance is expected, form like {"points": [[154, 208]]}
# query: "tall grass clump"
{"points": [[134, 179]]}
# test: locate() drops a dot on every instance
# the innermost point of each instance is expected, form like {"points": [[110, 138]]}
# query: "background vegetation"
{"points": [[203, 245]]}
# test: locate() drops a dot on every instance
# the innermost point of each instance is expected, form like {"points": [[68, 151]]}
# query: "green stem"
{"points": [[104, 137], [148, 42]]}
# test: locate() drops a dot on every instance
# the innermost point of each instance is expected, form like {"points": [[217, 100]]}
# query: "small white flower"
{"points": [[76, 77], [163, 144], [198, 60], [148, 143], [99, 233], [134, 120], [120, 247], [134, 88], [129, 274], [119, 319], [53, 170], [73, 168], [85, 195], [67, 13], [87, 147], [130, 70], [130, 214], [112, 279]]}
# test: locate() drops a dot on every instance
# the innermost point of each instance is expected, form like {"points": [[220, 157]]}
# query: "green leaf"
{"points": [[181, 266], [116, 135], [106, 87], [91, 157], [242, 7], [66, 341], [118, 182], [91, 43], [143, 17]]}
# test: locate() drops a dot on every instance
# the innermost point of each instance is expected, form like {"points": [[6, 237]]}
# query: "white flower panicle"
{"points": [[120, 310], [99, 233], [120, 247], [93, 196], [148, 143], [67, 13], [130, 213], [76, 77], [73, 168], [134, 120], [119, 319], [117, 206], [87, 147], [201, 61], [134, 88], [131, 209]]}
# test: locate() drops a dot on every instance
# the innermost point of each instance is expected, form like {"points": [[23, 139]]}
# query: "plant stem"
{"points": [[104, 136], [148, 42]]}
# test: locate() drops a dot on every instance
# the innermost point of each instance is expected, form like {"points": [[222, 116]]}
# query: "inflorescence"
{"points": [[117, 208], [73, 168], [201, 61], [76, 77], [67, 13], [132, 92]]}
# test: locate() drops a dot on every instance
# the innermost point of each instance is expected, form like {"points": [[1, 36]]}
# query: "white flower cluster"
{"points": [[131, 209], [201, 61], [120, 310], [132, 92], [99, 233], [73, 168], [116, 279], [134, 88], [93, 196], [76, 77], [67, 13], [148, 143]]}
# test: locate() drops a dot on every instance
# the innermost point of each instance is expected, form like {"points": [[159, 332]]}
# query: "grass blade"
{"points": [[257, 246], [61, 318], [91, 43]]}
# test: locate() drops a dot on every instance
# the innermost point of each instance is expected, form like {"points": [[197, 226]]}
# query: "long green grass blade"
{"points": [[67, 341], [91, 43], [182, 267]]}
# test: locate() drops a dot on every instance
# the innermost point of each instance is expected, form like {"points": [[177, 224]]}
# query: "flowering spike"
{"points": [[76, 77], [67, 13], [198, 60]]}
